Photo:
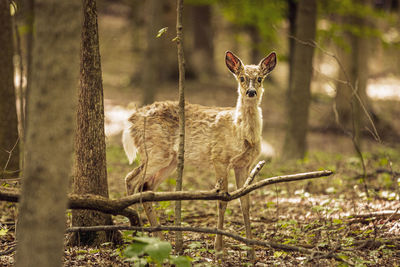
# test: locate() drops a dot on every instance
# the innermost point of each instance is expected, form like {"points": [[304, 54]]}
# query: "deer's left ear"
{"points": [[268, 63], [233, 63]]}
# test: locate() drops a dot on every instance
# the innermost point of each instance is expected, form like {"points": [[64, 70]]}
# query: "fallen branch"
{"points": [[214, 194], [89, 202], [119, 206], [247, 241], [391, 214], [8, 251]]}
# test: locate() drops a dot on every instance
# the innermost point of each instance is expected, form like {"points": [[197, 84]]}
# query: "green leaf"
{"points": [[135, 249], [161, 32], [158, 250], [337, 221], [3, 232], [94, 251], [181, 261], [195, 245], [278, 254]]}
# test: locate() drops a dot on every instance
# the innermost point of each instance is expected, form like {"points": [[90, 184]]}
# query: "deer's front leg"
{"points": [[222, 184], [241, 175]]}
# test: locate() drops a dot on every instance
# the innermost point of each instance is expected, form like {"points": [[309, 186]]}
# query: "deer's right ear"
{"points": [[233, 63], [268, 63]]}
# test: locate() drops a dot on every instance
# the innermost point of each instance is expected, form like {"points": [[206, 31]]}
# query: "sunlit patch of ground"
{"points": [[387, 88]]}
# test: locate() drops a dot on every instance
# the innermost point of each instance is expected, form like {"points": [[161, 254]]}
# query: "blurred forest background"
{"points": [[332, 102], [355, 47]]}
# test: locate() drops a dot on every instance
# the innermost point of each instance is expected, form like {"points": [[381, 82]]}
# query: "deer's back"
{"points": [[161, 123]]}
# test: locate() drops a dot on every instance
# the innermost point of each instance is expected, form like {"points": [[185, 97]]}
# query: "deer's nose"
{"points": [[251, 93]]}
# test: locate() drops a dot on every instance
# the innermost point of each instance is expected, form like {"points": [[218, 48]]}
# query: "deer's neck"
{"points": [[248, 121]]}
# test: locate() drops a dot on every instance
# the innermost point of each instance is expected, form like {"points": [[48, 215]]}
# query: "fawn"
{"points": [[225, 138]]}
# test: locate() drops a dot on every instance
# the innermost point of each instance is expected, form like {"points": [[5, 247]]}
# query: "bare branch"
{"points": [[90, 202], [114, 206], [9, 157], [247, 241], [254, 172]]}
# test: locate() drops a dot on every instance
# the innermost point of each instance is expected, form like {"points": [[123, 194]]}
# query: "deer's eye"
{"points": [[259, 79], [241, 79]]}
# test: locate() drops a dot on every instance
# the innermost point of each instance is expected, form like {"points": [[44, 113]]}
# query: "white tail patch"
{"points": [[129, 145]]}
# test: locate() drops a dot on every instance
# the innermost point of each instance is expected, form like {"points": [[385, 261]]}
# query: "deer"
{"points": [[222, 137]]}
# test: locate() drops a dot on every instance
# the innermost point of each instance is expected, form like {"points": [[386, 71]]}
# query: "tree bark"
{"points": [[28, 13], [355, 72], [203, 52], [9, 142], [151, 72], [90, 175], [292, 15], [181, 151], [49, 139], [299, 94]]}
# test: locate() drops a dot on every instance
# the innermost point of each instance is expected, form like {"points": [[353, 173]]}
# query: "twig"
{"points": [[390, 218], [8, 251], [253, 173], [247, 241], [9, 157], [391, 214]]}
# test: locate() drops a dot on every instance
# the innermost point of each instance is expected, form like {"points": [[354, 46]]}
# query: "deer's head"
{"points": [[250, 77]]}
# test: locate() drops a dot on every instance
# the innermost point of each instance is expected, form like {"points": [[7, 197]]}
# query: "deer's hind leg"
{"points": [[221, 172], [148, 179]]}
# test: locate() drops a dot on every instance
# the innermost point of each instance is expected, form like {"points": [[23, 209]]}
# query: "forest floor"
{"points": [[332, 214]]}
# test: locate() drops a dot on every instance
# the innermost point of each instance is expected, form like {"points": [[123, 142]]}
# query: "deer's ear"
{"points": [[233, 63], [268, 63]]}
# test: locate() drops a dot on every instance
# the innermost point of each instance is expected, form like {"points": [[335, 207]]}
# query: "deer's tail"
{"points": [[129, 145]]}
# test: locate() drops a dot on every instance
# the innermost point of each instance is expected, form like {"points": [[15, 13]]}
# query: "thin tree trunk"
{"points": [[151, 73], [299, 94], [256, 41], [49, 140], [181, 152], [29, 14], [203, 52], [292, 14], [355, 71], [90, 148], [9, 143]]}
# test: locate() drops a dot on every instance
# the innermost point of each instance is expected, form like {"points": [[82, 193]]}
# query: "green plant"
{"points": [[152, 250]]}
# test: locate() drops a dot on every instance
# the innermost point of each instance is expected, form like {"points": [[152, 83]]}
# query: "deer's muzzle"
{"points": [[251, 93]]}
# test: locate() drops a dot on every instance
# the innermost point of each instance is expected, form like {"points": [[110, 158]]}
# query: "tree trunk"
{"points": [[292, 14], [355, 71], [203, 53], [49, 140], [27, 10], [181, 149], [9, 143], [90, 149], [151, 73], [299, 94], [256, 44]]}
